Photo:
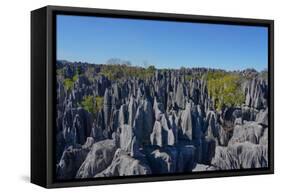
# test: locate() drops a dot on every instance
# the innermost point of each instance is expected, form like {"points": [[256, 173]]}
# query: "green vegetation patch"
{"points": [[225, 89], [117, 72], [192, 77], [92, 104], [69, 83]]}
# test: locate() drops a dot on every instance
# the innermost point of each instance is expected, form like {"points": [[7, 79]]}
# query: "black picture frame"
{"points": [[43, 60]]}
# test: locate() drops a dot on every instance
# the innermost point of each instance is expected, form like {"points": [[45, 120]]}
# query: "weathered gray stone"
{"points": [[71, 160], [212, 125], [249, 114], [98, 159], [138, 124], [125, 165], [107, 106], [123, 115], [126, 137], [158, 109], [165, 122], [186, 121], [132, 108], [162, 133], [208, 147], [156, 135], [135, 152], [203, 168], [262, 117], [162, 160], [180, 95], [148, 121], [256, 93], [174, 129], [249, 131], [224, 159], [264, 138], [186, 159], [241, 156]]}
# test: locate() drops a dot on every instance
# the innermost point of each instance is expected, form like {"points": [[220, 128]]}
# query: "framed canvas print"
{"points": [[126, 96]]}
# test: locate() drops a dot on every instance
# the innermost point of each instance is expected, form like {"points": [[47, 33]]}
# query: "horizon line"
{"points": [[187, 67]]}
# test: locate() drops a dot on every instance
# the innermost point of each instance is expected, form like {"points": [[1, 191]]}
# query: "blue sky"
{"points": [[161, 43]]}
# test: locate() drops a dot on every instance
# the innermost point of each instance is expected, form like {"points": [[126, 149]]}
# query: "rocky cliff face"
{"points": [[163, 123]]}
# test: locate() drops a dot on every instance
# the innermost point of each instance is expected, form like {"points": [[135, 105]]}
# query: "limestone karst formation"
{"points": [[155, 122]]}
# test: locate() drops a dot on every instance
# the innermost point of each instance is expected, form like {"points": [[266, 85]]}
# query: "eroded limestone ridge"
{"points": [[134, 121]]}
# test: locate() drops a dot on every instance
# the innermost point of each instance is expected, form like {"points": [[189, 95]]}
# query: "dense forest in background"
{"points": [[117, 119]]}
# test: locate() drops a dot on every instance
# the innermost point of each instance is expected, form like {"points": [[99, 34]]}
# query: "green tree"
{"points": [[69, 82], [92, 104], [116, 72], [225, 89]]}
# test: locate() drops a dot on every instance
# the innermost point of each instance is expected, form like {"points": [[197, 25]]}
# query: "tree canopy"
{"points": [[225, 89], [92, 104]]}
